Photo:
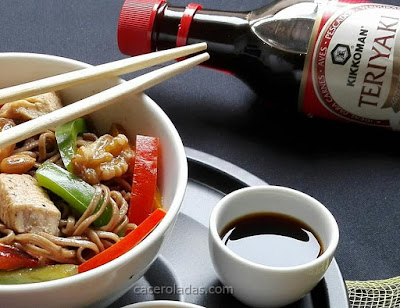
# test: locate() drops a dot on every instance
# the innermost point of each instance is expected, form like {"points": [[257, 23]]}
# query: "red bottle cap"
{"points": [[135, 26]]}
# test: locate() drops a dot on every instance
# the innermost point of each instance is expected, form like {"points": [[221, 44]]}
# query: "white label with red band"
{"points": [[352, 70]]}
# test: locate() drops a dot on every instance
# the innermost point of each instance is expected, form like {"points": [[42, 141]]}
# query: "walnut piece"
{"points": [[106, 158]]}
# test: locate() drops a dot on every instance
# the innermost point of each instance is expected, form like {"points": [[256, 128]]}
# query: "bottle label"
{"points": [[352, 69]]}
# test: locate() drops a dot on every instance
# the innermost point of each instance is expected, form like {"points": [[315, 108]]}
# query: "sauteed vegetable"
{"points": [[71, 200]]}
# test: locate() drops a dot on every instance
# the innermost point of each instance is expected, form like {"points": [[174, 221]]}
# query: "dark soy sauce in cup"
{"points": [[272, 239]]}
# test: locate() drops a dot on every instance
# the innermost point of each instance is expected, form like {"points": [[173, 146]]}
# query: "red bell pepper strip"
{"points": [[13, 258], [125, 244], [144, 179]]}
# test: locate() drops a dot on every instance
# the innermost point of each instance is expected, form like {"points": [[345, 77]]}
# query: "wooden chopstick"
{"points": [[97, 101], [111, 69]]}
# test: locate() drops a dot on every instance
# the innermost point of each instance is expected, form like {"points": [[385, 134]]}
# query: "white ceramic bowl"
{"points": [[139, 115], [163, 304], [266, 286]]}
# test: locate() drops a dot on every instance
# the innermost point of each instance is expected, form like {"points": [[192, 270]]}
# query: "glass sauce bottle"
{"points": [[326, 58]]}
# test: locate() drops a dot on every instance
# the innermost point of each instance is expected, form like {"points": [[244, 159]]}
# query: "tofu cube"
{"points": [[25, 206]]}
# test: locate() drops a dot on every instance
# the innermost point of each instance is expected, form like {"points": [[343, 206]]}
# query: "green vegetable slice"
{"points": [[75, 191], [66, 136], [38, 274]]}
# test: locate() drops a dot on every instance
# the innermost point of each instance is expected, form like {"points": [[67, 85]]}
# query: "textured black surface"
{"points": [[154, 285], [354, 171]]}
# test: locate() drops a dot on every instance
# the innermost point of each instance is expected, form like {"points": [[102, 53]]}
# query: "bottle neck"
{"points": [[245, 43], [221, 30]]}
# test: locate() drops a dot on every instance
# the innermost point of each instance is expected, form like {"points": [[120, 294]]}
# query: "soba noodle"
{"points": [[77, 240]]}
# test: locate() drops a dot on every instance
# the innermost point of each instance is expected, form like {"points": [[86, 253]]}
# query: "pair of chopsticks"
{"points": [[99, 100]]}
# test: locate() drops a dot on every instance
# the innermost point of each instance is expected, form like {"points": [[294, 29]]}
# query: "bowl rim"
{"points": [[158, 232], [162, 303]]}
